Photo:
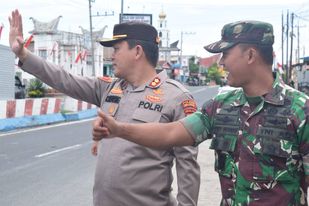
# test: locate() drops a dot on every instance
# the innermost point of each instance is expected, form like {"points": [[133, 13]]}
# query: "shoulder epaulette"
{"points": [[177, 84]]}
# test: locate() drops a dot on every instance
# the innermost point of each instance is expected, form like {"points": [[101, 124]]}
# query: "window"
{"points": [[160, 34], [43, 53]]}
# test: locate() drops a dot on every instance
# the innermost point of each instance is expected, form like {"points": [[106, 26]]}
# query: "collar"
{"points": [[275, 96], [157, 80], [154, 83]]}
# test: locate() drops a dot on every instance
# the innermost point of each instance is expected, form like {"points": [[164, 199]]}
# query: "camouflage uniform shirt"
{"points": [[262, 152]]}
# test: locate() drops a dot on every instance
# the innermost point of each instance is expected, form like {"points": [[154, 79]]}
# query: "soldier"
{"points": [[126, 173], [259, 132]]}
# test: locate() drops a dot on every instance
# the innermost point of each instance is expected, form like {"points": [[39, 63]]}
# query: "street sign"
{"points": [[145, 18]]}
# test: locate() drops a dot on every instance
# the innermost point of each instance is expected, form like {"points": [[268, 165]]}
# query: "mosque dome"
{"points": [[162, 15]]}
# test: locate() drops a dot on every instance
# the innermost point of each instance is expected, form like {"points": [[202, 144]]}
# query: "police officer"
{"points": [[260, 132], [126, 173]]}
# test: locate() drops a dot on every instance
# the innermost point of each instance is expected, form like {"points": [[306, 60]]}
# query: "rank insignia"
{"points": [[189, 106], [116, 91], [106, 79], [155, 82], [152, 98]]}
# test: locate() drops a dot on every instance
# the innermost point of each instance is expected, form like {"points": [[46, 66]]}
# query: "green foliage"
{"points": [[193, 68], [214, 74], [36, 88]]}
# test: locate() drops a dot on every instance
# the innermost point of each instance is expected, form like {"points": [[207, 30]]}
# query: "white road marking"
{"points": [[58, 150]]}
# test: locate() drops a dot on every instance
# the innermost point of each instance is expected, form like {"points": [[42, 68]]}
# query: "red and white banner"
{"points": [[40, 106]]}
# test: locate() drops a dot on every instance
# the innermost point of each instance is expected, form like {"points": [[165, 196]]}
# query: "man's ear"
{"points": [[139, 51], [252, 54]]}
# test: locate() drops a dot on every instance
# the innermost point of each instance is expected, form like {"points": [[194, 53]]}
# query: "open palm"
{"points": [[16, 32]]}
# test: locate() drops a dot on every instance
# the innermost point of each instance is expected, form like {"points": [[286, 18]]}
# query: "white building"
{"points": [[72, 51]]}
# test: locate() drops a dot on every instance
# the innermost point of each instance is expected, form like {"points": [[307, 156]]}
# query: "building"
{"points": [[168, 53], [7, 73], [72, 51]]}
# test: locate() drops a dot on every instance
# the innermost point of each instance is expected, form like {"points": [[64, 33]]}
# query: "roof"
{"points": [[209, 61], [50, 27], [164, 64]]}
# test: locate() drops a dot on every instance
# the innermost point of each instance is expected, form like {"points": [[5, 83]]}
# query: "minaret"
{"points": [[162, 30]]}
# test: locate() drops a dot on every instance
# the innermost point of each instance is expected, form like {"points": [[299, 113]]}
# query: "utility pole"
{"points": [[287, 48], [181, 42], [91, 33], [298, 50], [121, 13], [292, 36], [91, 39], [282, 41]]}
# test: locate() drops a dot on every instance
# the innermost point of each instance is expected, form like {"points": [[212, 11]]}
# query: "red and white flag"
{"points": [[79, 55], [1, 28], [55, 48], [28, 41], [84, 54]]}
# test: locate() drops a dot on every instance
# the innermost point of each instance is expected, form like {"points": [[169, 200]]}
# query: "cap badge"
{"points": [[237, 29]]}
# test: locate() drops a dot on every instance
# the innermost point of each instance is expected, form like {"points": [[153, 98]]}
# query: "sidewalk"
{"points": [[210, 194]]}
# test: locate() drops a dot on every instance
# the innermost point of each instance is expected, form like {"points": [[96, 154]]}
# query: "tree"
{"points": [[36, 88], [215, 73], [193, 67]]}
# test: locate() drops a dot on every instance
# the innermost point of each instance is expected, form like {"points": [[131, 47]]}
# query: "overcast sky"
{"points": [[203, 17]]}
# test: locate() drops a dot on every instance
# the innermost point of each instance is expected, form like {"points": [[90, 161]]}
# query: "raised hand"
{"points": [[16, 34]]}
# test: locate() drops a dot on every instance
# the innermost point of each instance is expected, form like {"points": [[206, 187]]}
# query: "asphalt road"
{"points": [[53, 166]]}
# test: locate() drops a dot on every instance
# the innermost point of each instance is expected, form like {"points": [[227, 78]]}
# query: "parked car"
{"points": [[20, 89]]}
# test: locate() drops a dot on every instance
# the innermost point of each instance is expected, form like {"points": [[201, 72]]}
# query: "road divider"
{"points": [[15, 114]]}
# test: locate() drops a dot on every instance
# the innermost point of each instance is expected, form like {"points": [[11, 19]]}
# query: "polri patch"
{"points": [[189, 106]]}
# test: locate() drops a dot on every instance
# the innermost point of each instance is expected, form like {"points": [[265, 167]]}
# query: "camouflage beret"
{"points": [[250, 32], [132, 30]]}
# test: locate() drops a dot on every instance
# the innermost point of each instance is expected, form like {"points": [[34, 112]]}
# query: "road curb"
{"points": [[38, 120]]}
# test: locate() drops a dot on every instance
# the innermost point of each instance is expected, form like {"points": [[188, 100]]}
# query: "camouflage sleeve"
{"points": [[303, 136], [88, 89], [199, 123], [187, 168]]}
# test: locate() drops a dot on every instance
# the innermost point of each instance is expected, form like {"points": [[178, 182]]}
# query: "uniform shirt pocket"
{"points": [[274, 152], [145, 115]]}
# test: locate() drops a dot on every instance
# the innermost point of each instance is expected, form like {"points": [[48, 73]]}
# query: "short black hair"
{"points": [[151, 50], [265, 51]]}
